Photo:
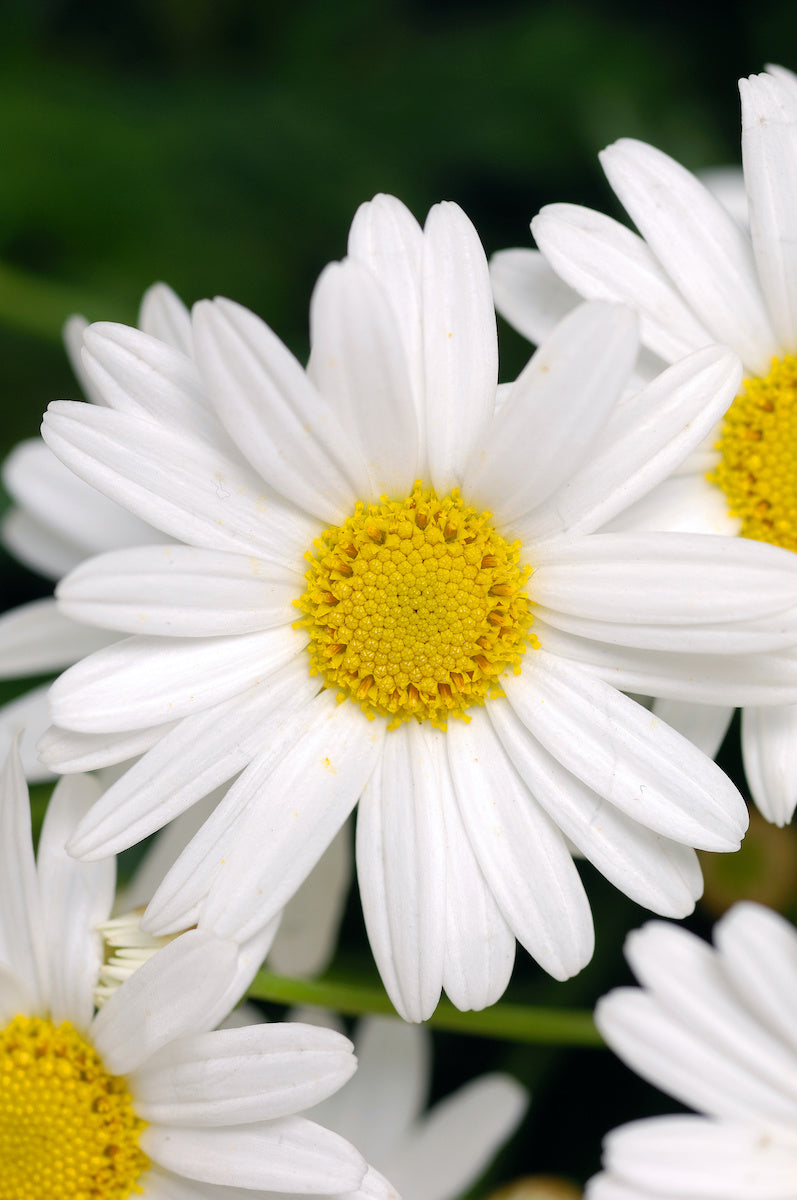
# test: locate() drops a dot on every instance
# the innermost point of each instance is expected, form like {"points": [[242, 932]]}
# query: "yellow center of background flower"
{"points": [[415, 607], [67, 1128], [758, 469]]}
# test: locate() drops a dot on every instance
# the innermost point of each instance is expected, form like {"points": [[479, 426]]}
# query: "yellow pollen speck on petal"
{"points": [[68, 1130], [415, 607], [758, 446]]}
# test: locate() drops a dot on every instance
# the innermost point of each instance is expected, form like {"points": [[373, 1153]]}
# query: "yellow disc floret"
{"points": [[67, 1128], [758, 469], [414, 607]]}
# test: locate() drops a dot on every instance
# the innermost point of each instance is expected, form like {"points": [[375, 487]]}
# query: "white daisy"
{"points": [[697, 276], [434, 1155], [55, 522], [143, 1097], [715, 1029], [336, 630]]}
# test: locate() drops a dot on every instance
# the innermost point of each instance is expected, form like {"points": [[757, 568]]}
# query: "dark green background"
{"points": [[224, 147]]}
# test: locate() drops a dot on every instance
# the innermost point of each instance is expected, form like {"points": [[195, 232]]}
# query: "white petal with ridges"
{"points": [[146, 681], [705, 253], [22, 943], [769, 154], [401, 868], [180, 591], [163, 315], [36, 638], [281, 424], [67, 752], [528, 294], [626, 755], [521, 853], [460, 344], [554, 412]]}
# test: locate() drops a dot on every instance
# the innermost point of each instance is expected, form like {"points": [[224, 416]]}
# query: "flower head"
{"points": [[714, 1028], [389, 590], [143, 1095]]}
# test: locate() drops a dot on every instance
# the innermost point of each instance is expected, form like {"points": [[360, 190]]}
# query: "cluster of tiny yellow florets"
{"points": [[414, 607], [758, 468], [67, 1128]]}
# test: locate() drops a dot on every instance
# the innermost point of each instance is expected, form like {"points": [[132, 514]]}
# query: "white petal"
{"points": [[201, 752], [72, 334], [234, 1076], [564, 397], [528, 294], [699, 678], [645, 440], [480, 946], [653, 870], [458, 1139], [305, 801], [37, 546], [769, 748], [163, 315], [168, 997], [703, 250], [63, 503], [68, 752], [602, 260], [22, 946], [520, 851], [25, 719], [278, 420], [460, 344], [176, 482], [685, 503], [727, 184], [704, 724], [359, 366], [769, 153], [179, 591], [76, 897], [145, 681], [758, 951], [627, 755], [308, 932], [706, 1160], [401, 869], [36, 638], [289, 1155]]}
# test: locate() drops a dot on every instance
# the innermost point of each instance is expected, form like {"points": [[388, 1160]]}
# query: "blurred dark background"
{"points": [[224, 147]]}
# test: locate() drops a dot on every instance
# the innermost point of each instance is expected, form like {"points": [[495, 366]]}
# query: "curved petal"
{"points": [[24, 720], [401, 868], [685, 503], [38, 547], [521, 853], [67, 752], [36, 638], [562, 399], [359, 366], [22, 944], [758, 952], [702, 249], [179, 591], [626, 755], [147, 681], [769, 750], [528, 294], [76, 897], [602, 260], [163, 315], [280, 423], [704, 724], [769, 154], [460, 343]]}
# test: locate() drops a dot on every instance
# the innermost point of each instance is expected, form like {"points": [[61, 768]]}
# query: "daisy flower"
{"points": [[697, 276], [143, 1097], [437, 1154], [55, 522], [713, 1027], [388, 591]]}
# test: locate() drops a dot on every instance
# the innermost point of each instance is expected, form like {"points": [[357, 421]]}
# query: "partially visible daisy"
{"points": [[715, 1029], [437, 1154], [56, 521], [391, 592], [696, 276], [143, 1097]]}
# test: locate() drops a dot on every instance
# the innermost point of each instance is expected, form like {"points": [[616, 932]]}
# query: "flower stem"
{"points": [[511, 1022]]}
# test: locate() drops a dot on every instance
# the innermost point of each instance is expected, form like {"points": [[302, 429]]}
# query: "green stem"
{"points": [[512, 1022]]}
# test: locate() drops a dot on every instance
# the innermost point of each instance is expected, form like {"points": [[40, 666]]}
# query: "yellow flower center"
{"points": [[758, 469], [67, 1128], [414, 607]]}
